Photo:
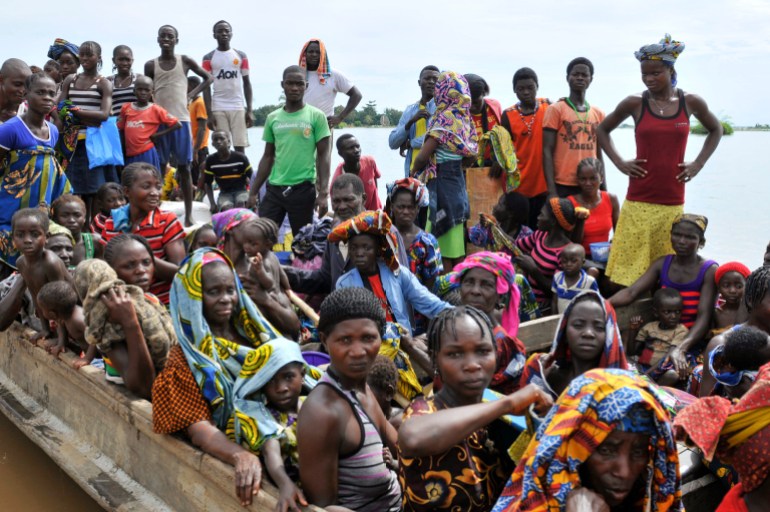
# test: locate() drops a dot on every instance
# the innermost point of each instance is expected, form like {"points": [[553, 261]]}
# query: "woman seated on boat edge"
{"points": [[693, 277], [227, 353], [606, 444], [587, 337], [452, 451]]}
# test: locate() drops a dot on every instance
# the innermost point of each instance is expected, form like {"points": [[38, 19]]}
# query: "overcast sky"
{"points": [[381, 46]]}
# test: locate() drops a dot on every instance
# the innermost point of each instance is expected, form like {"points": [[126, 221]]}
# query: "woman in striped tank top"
{"points": [[452, 447], [343, 437], [124, 78], [92, 95], [690, 274]]}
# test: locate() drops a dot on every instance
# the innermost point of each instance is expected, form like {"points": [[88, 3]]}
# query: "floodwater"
{"points": [[31, 481]]}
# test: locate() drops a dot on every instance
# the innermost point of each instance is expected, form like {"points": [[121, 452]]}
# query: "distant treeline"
{"points": [[366, 116]]}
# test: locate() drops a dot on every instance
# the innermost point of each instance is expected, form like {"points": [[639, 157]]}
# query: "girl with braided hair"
{"points": [[450, 456]]}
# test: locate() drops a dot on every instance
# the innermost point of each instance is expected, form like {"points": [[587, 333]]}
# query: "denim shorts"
{"points": [[448, 198]]}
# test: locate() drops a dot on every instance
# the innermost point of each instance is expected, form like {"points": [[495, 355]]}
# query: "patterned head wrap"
{"points": [[60, 46], [667, 51], [225, 221], [595, 404], [558, 214], [375, 223], [737, 434], [613, 356], [699, 220], [732, 266], [416, 187], [324, 67], [228, 373], [499, 265], [55, 229], [451, 124]]}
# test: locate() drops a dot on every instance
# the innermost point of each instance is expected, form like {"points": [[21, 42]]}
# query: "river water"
{"points": [[731, 191]]}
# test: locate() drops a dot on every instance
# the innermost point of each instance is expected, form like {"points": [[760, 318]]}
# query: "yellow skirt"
{"points": [[643, 235]]}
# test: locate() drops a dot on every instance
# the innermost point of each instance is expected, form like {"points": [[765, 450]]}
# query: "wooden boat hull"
{"points": [[102, 437]]}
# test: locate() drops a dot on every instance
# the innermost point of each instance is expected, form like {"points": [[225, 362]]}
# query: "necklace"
{"points": [[529, 123], [657, 105], [125, 83], [584, 119]]}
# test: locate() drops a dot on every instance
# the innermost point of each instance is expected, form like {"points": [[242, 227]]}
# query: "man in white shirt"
{"points": [[231, 88]]}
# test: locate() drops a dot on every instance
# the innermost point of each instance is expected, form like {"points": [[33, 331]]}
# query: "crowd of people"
{"points": [[382, 368]]}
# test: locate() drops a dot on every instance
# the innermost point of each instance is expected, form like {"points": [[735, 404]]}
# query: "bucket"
{"points": [[316, 358], [600, 251]]}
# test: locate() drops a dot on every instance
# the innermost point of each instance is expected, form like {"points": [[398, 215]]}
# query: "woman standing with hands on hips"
{"points": [[658, 173]]}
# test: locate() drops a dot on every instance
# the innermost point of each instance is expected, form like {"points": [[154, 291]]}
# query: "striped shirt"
{"points": [[86, 99], [364, 482], [122, 95], [160, 228], [546, 258], [231, 175], [566, 293], [690, 292]]}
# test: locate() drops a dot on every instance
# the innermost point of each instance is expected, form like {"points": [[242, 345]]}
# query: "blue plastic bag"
{"points": [[103, 144]]}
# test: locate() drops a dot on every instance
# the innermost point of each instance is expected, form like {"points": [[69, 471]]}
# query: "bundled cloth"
{"points": [[93, 278], [593, 406], [452, 124], [71, 126], [667, 51], [407, 386], [488, 235], [311, 239], [375, 223], [324, 66], [737, 434], [416, 187], [60, 46], [502, 147], [230, 374]]}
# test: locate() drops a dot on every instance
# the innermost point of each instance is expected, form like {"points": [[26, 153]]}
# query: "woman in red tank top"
{"points": [[603, 205], [659, 173]]}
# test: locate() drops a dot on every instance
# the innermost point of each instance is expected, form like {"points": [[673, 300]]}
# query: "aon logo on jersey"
{"points": [[226, 75]]}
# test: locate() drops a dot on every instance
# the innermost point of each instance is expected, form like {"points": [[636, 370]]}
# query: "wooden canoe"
{"points": [[102, 437]]}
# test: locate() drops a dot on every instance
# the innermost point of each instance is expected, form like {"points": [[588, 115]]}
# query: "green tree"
{"points": [[393, 115]]}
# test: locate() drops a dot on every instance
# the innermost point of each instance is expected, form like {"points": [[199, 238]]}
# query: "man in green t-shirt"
{"points": [[296, 159]]}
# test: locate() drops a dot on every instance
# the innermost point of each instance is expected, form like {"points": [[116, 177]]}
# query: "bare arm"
{"points": [[205, 77], [248, 470], [644, 284], [615, 211], [289, 495], [623, 111], [431, 434], [318, 442], [354, 98], [697, 106], [322, 161], [149, 69], [155, 136], [549, 144], [248, 94], [263, 172], [429, 147]]}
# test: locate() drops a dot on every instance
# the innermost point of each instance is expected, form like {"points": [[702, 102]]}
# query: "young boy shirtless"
{"points": [[37, 265], [169, 73], [58, 302]]}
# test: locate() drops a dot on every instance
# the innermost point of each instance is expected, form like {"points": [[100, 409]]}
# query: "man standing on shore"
{"points": [[229, 68], [410, 131], [169, 75], [295, 163]]}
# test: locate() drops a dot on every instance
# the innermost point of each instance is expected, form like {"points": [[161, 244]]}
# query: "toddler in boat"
{"points": [[656, 339]]}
